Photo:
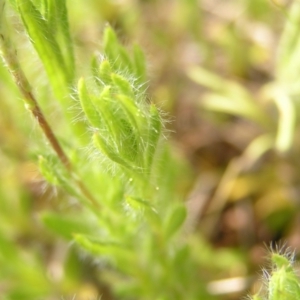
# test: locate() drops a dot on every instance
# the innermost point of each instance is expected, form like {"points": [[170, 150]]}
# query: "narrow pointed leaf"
{"points": [[130, 109], [87, 105], [175, 221], [124, 60], [155, 127], [228, 96], [58, 20], [110, 45], [66, 226], [47, 48], [105, 72], [286, 122], [105, 109], [288, 62], [108, 150], [138, 203], [139, 63], [123, 85]]}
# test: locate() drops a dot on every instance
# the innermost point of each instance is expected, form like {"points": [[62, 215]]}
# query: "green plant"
{"points": [[117, 187], [119, 184], [282, 282]]}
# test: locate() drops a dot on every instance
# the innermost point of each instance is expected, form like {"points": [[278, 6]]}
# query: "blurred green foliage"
{"points": [[135, 206]]}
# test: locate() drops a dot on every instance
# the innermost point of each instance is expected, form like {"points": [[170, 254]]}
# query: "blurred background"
{"points": [[215, 69]]}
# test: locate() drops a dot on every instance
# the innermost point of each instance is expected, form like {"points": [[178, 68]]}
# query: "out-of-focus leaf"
{"points": [[66, 226], [109, 249], [257, 148], [7, 250], [286, 122], [287, 114], [105, 72], [208, 79], [228, 105], [155, 127], [140, 63], [175, 221], [227, 96], [137, 203], [49, 171], [288, 60], [111, 46]]}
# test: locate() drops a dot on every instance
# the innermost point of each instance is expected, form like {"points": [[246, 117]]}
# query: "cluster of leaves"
{"points": [[116, 178], [116, 185], [283, 281], [125, 128]]}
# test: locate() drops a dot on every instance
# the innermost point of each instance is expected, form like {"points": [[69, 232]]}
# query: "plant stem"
{"points": [[9, 56]]}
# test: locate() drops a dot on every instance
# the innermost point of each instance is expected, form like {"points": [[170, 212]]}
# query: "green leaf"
{"points": [[131, 110], [227, 96], [154, 131], [121, 133], [284, 284], [46, 46], [129, 141], [55, 174], [286, 122], [120, 253], [56, 17], [115, 52], [124, 60], [257, 147], [58, 20], [66, 226], [122, 84], [280, 261], [175, 221], [206, 78], [104, 147], [95, 70], [49, 171], [288, 62], [105, 107], [105, 72], [138, 203], [88, 106], [229, 105], [256, 297], [110, 44], [139, 63], [148, 211]]}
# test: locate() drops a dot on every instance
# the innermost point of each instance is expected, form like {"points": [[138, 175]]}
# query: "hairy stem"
{"points": [[9, 57]]}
